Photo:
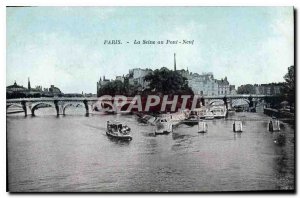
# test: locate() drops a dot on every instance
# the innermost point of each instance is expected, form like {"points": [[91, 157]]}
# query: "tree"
{"points": [[167, 81], [113, 88], [246, 89], [289, 86]]}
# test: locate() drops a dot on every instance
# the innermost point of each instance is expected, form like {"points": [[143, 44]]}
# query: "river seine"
{"points": [[73, 153]]}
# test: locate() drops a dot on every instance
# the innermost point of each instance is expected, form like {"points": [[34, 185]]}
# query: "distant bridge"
{"points": [[252, 100], [30, 105]]}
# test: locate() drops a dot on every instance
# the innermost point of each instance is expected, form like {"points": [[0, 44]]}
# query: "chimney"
{"points": [[174, 61]]}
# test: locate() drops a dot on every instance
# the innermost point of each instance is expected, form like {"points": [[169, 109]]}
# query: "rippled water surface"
{"points": [[73, 153]]}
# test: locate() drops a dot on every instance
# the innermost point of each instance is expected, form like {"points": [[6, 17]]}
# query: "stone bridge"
{"points": [[231, 100], [30, 105]]}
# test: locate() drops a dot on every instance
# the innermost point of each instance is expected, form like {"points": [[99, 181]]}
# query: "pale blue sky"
{"points": [[64, 46]]}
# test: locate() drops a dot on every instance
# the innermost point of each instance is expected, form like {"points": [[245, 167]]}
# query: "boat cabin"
{"points": [[116, 126]]}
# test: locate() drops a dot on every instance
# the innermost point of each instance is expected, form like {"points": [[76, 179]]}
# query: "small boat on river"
{"points": [[118, 130]]}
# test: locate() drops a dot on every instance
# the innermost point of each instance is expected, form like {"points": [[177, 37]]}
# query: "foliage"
{"points": [[289, 85], [112, 88], [246, 89], [167, 81]]}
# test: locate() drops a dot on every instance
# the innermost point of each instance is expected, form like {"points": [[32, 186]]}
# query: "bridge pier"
{"points": [[56, 105], [225, 102], [202, 101], [32, 112], [86, 107], [23, 103]]}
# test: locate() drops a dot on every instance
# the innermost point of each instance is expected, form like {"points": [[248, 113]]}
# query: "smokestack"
{"points": [[174, 61], [29, 87]]}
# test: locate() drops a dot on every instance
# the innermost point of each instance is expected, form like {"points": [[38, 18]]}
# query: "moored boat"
{"points": [[118, 130], [200, 112], [209, 115], [219, 111], [191, 120]]}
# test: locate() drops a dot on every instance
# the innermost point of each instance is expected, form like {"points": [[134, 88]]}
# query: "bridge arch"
{"points": [[40, 105], [234, 101], [76, 105], [13, 105], [216, 101]]}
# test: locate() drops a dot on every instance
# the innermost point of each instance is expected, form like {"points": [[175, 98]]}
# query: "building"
{"points": [[101, 83], [15, 88], [54, 90], [204, 84], [268, 89], [18, 91], [185, 73], [232, 90], [120, 78], [136, 77], [223, 86]]}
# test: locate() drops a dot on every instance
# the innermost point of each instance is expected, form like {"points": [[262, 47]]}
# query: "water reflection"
{"points": [[118, 141], [237, 135]]}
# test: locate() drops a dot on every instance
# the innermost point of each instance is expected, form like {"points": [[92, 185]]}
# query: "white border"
{"points": [[4, 3]]}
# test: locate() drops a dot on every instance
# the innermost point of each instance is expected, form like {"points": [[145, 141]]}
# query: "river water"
{"points": [[73, 153]]}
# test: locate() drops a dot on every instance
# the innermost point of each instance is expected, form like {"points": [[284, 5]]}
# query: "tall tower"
{"points": [[29, 87], [174, 61]]}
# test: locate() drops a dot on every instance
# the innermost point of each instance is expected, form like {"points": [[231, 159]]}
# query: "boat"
{"points": [[200, 112], [163, 126], [202, 127], [274, 125], [118, 130], [209, 115], [237, 126], [219, 111], [176, 118], [191, 120]]}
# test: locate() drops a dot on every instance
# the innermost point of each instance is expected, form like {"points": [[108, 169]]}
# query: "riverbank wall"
{"points": [[278, 113]]}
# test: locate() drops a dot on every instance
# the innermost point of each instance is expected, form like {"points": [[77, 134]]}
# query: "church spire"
{"points": [[29, 87], [174, 61]]}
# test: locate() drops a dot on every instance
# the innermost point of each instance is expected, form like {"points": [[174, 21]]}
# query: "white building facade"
{"points": [[136, 77], [204, 84]]}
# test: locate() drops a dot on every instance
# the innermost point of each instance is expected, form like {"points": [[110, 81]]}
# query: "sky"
{"points": [[64, 46]]}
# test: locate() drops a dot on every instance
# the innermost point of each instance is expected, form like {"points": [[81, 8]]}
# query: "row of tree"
{"points": [[289, 86]]}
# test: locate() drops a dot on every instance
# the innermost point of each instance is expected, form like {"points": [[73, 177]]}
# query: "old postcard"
{"points": [[150, 99]]}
